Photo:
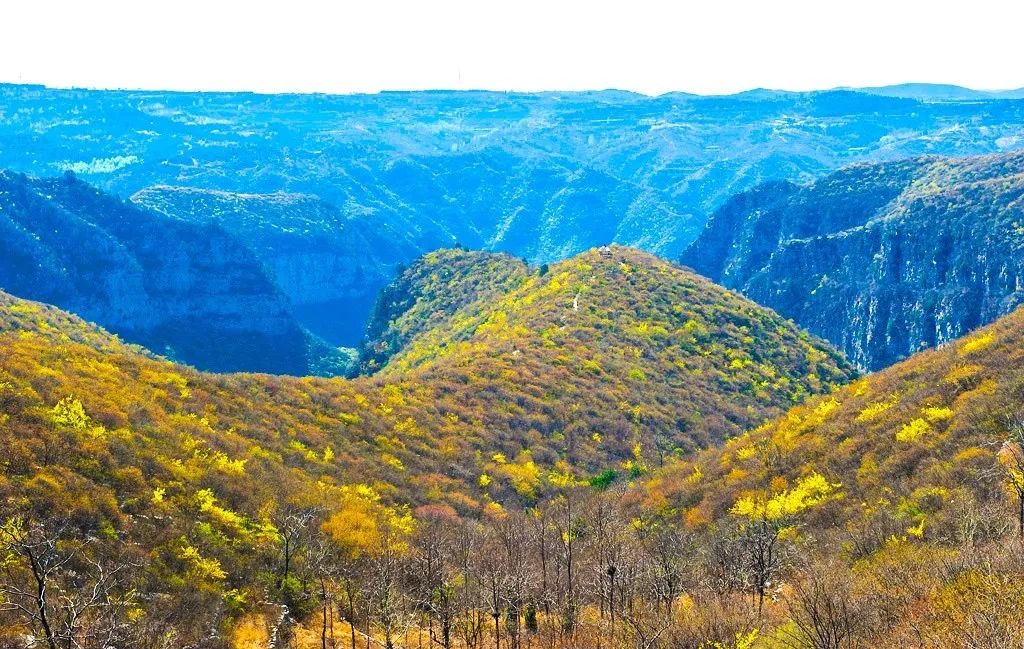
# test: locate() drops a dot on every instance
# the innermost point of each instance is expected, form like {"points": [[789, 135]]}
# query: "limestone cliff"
{"points": [[881, 260]]}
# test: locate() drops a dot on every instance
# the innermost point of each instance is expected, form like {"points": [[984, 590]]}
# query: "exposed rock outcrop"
{"points": [[190, 292], [881, 260]]}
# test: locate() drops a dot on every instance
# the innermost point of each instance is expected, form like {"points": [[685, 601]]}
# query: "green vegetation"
{"points": [[569, 353], [892, 508], [507, 479], [202, 490], [431, 292]]}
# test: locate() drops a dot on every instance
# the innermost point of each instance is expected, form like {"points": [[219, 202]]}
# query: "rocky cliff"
{"points": [[190, 292], [881, 260], [331, 265]]}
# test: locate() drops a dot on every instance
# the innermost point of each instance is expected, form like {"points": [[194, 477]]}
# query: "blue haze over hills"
{"points": [[329, 195]]}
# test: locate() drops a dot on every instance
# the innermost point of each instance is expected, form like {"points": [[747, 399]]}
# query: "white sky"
{"points": [[707, 46]]}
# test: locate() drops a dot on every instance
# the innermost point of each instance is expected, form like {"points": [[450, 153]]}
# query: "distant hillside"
{"points": [[881, 260], [188, 291], [330, 265], [942, 92], [541, 176]]}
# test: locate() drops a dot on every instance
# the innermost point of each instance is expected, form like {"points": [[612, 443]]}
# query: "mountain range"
{"points": [[542, 176], [882, 260]]}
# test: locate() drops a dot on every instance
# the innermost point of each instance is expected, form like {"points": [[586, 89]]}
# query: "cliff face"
{"points": [[881, 260], [330, 265], [190, 292], [331, 260]]}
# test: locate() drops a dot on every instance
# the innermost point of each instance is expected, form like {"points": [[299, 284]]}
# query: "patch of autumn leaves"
{"points": [[545, 455]]}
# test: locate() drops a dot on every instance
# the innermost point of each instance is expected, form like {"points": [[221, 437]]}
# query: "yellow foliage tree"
{"points": [[765, 521], [363, 525]]}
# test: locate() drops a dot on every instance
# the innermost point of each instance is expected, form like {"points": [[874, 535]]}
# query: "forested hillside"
{"points": [[164, 506], [889, 513], [428, 294], [886, 514]]}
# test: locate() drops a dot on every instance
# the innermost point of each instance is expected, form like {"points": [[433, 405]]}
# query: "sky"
{"points": [[341, 46]]}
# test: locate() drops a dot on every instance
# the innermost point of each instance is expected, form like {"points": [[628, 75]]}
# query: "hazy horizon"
{"points": [[682, 91], [530, 46]]}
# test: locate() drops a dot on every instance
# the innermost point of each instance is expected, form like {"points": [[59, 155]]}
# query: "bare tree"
{"points": [[823, 610], [387, 569], [1012, 458], [69, 589], [435, 576], [569, 524], [291, 523], [323, 565], [492, 568]]}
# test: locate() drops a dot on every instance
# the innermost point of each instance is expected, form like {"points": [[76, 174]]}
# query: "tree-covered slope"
{"points": [[599, 367], [610, 326], [429, 293], [888, 513], [883, 514], [881, 260]]}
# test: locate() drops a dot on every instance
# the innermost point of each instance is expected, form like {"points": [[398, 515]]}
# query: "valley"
{"points": [[481, 370], [543, 176]]}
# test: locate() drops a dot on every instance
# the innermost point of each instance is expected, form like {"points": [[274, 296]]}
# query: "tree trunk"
{"points": [[323, 621], [351, 612], [611, 608], [1020, 516], [40, 579], [287, 562]]}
